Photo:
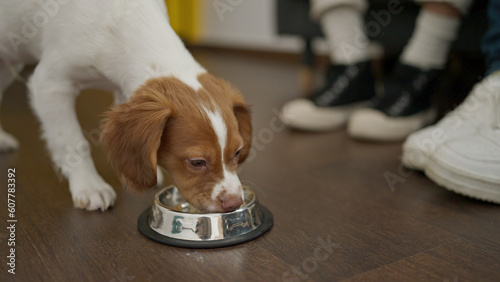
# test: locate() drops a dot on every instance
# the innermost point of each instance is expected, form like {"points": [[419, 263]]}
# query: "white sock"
{"points": [[429, 45], [344, 31]]}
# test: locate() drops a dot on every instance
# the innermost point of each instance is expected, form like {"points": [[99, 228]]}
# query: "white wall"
{"points": [[247, 24]]}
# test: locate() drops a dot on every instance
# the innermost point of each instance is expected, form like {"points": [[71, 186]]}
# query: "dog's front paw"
{"points": [[94, 197], [7, 142]]}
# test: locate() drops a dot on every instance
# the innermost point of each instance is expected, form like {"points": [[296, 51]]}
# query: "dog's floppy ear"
{"points": [[132, 132], [242, 113]]}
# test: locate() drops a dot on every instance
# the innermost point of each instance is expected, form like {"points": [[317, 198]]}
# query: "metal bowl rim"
{"points": [[159, 204]]}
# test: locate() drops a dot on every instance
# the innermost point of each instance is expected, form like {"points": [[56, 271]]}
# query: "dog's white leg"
{"points": [[7, 141], [53, 100]]}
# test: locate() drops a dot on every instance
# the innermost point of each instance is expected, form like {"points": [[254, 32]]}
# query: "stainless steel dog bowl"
{"points": [[172, 221]]}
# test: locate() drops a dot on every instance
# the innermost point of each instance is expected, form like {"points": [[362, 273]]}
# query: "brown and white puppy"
{"points": [[169, 111], [199, 137]]}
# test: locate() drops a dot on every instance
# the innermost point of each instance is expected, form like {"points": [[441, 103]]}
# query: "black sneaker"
{"points": [[347, 88], [404, 107]]}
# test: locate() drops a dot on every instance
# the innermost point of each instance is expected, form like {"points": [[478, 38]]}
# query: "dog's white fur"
{"points": [[111, 44]]}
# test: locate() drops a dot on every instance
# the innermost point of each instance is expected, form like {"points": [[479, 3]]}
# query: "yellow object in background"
{"points": [[185, 18]]}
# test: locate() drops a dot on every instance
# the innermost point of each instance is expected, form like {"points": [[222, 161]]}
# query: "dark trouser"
{"points": [[491, 41]]}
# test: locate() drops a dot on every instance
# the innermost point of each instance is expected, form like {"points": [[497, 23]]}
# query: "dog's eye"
{"points": [[237, 154], [198, 163]]}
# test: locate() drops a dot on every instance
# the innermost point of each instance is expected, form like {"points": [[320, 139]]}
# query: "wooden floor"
{"points": [[337, 217]]}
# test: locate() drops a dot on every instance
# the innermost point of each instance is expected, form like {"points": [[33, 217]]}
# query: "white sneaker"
{"points": [[404, 107], [303, 114], [469, 165], [347, 88], [473, 113], [374, 125]]}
